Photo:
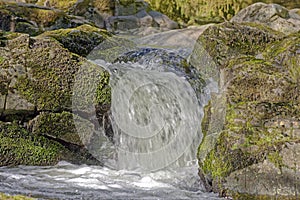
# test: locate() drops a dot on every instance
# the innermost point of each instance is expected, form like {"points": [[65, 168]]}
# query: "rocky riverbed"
{"points": [[250, 126]]}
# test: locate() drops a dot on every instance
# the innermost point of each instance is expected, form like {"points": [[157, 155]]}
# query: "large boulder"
{"points": [[251, 127], [40, 71], [37, 81], [272, 15]]}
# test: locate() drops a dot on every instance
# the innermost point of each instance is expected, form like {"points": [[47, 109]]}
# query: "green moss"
{"points": [[44, 17], [103, 92], [216, 164], [104, 5], [240, 196], [19, 147], [275, 49], [16, 197], [276, 159], [1, 60], [9, 35], [59, 4], [284, 52]]}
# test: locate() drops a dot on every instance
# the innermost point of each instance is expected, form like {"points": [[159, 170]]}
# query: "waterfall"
{"points": [[156, 112]]}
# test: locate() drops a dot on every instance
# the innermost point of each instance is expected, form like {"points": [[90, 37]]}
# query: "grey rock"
{"points": [[179, 38], [271, 15], [162, 20], [124, 22], [145, 20], [125, 7], [266, 178]]}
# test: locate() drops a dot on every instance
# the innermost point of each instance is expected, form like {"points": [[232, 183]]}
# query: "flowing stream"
{"points": [[67, 181], [156, 111]]}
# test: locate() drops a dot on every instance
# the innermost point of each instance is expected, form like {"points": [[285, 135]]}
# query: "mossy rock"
{"points": [[78, 7], [43, 17], [32, 19], [62, 126], [56, 125], [43, 73], [70, 130], [81, 40], [258, 107], [19, 147], [130, 7], [230, 40]]}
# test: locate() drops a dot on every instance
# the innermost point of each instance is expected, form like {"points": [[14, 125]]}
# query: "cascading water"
{"points": [[156, 111], [156, 118]]}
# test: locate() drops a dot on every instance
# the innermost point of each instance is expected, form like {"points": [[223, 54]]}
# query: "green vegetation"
{"points": [[19, 147], [103, 92], [16, 197], [207, 11]]}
